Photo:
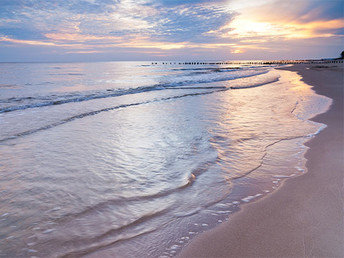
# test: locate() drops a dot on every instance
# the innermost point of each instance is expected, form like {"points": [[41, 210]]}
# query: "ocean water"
{"points": [[130, 159]]}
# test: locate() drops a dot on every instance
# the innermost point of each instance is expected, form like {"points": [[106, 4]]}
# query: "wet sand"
{"points": [[304, 217]]}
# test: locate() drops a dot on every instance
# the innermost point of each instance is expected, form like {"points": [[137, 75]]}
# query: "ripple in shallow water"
{"points": [[142, 173]]}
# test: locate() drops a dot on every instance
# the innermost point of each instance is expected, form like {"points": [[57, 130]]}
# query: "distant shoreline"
{"points": [[257, 62], [266, 62]]}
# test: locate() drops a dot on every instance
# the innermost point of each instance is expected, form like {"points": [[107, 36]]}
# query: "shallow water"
{"points": [[132, 159]]}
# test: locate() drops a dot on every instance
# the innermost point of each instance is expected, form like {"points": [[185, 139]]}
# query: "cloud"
{"points": [[302, 11], [190, 23], [285, 20], [159, 20], [74, 6], [21, 33], [167, 27], [322, 10], [169, 3]]}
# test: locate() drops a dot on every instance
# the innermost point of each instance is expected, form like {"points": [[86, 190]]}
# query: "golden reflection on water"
{"points": [[142, 166], [259, 117]]}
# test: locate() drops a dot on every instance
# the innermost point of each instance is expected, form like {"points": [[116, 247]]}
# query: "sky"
{"points": [[147, 30]]}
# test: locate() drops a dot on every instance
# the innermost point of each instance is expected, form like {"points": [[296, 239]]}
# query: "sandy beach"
{"points": [[304, 218]]}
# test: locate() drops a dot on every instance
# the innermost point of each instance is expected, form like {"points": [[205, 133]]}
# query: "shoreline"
{"points": [[304, 217]]}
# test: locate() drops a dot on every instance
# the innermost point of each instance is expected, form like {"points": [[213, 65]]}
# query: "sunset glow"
{"points": [[116, 30]]}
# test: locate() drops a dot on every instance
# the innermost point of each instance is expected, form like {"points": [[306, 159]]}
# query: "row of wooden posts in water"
{"points": [[279, 62]]}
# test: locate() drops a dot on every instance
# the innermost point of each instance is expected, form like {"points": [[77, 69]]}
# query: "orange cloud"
{"points": [[314, 29], [237, 51], [27, 42], [278, 19], [43, 43], [84, 51], [243, 27], [78, 37]]}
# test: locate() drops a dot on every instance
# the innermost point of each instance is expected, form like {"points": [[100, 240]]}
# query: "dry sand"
{"points": [[304, 218]]}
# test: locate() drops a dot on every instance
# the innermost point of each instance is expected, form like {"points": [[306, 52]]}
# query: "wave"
{"points": [[50, 100], [95, 112], [214, 69], [63, 99], [84, 245]]}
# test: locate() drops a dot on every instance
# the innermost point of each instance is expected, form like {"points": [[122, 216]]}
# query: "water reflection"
{"points": [[131, 180]]}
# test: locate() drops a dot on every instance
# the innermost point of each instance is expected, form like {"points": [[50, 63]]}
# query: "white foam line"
{"points": [[281, 176], [250, 197]]}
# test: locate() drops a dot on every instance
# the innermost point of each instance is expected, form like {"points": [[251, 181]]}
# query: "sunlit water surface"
{"points": [[132, 159]]}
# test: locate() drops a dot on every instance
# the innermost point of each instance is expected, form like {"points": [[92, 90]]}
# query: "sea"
{"points": [[135, 159]]}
